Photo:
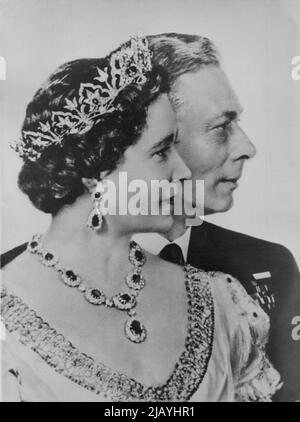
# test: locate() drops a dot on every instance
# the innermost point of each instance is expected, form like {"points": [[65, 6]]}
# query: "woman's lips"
{"points": [[170, 192], [170, 200]]}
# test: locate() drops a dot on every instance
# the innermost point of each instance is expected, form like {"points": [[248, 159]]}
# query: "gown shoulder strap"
{"points": [[9, 256]]}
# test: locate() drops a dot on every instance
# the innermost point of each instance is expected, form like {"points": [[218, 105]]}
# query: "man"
{"points": [[215, 148]]}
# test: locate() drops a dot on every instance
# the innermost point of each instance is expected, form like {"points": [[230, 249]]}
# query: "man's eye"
{"points": [[227, 125], [222, 131], [222, 127]]}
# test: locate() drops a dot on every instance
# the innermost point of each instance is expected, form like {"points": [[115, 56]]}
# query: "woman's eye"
{"points": [[162, 154]]}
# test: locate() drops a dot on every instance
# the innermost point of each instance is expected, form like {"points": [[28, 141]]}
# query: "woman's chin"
{"points": [[166, 223], [156, 224]]}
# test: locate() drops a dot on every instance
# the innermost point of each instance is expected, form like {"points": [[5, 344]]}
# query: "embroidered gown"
{"points": [[223, 359]]}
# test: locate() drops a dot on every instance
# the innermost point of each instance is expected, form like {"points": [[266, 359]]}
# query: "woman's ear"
{"points": [[90, 184]]}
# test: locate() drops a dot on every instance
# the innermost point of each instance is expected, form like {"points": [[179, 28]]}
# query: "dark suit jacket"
{"points": [[214, 248]]}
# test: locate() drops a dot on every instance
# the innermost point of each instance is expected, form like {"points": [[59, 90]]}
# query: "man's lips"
{"points": [[230, 180]]}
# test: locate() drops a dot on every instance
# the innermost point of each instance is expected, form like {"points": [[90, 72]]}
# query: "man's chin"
{"points": [[220, 205]]}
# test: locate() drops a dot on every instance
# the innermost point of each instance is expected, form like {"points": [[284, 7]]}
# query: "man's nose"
{"points": [[242, 147], [180, 169]]}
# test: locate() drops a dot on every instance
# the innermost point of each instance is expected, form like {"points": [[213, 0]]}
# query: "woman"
{"points": [[89, 315]]}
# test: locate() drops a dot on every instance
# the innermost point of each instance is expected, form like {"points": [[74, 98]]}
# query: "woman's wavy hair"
{"points": [[55, 179]]}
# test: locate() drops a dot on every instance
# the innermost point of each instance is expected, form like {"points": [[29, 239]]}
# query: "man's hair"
{"points": [[182, 53]]}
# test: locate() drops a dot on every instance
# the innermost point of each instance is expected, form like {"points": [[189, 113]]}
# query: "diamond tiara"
{"points": [[126, 66]]}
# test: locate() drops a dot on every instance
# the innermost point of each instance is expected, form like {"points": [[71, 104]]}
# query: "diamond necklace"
{"points": [[135, 331]]}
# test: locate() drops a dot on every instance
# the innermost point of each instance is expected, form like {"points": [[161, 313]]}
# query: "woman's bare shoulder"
{"points": [[21, 275]]}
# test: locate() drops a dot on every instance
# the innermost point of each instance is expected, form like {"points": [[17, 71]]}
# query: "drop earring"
{"points": [[95, 218]]}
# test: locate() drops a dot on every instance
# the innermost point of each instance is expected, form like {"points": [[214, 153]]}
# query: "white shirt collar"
{"points": [[155, 242]]}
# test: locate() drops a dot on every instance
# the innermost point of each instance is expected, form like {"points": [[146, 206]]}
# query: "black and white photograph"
{"points": [[150, 203]]}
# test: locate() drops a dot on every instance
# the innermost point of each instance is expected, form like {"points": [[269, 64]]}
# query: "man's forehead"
{"points": [[206, 92]]}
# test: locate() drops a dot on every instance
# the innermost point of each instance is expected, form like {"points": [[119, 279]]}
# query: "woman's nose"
{"points": [[181, 171]]}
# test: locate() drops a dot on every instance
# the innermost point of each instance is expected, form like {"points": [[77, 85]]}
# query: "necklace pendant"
{"points": [[136, 255], [124, 301], [135, 280], [95, 296], [34, 245], [70, 278], [48, 259], [135, 331]]}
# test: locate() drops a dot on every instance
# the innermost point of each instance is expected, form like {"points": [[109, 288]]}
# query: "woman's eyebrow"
{"points": [[166, 141]]}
